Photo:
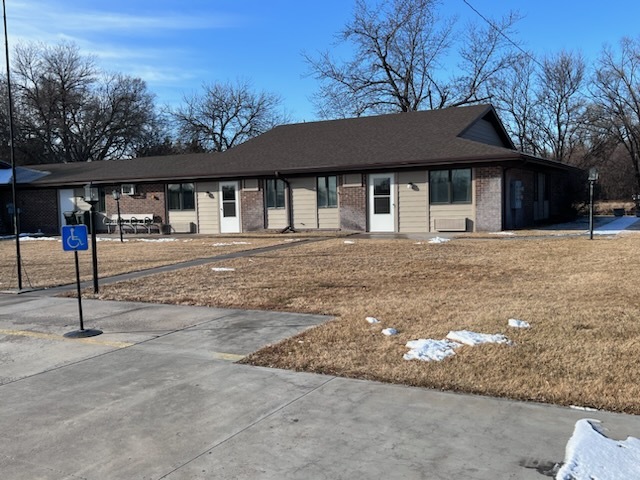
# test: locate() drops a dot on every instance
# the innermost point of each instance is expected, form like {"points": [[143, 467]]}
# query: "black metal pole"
{"points": [[14, 183], [119, 220], [75, 254], [591, 182], [94, 249]]}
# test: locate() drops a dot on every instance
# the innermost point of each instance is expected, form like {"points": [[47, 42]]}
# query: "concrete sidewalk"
{"points": [[157, 396]]}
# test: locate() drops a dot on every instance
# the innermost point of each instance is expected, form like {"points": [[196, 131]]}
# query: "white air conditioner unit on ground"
{"points": [[128, 189]]}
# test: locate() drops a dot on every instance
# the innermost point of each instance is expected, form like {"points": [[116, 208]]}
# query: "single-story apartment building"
{"points": [[454, 169]]}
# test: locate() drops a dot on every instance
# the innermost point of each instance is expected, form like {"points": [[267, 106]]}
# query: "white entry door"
{"points": [[66, 203], [229, 211], [382, 202]]}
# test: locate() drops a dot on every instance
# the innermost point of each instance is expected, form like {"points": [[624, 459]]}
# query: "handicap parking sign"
{"points": [[74, 237]]}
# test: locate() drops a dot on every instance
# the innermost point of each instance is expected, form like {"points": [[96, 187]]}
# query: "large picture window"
{"points": [[181, 196], [450, 186], [328, 192], [275, 193]]}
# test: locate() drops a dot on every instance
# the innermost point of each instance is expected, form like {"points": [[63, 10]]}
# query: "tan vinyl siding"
{"points": [[208, 207], [183, 221], [329, 218], [453, 211], [277, 218], [413, 213], [305, 214]]}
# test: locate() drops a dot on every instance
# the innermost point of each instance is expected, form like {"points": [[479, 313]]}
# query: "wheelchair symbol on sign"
{"points": [[73, 242], [74, 237]]}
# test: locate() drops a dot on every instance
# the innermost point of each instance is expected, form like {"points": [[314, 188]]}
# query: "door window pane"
{"points": [[229, 209], [382, 186], [381, 205], [228, 193]]}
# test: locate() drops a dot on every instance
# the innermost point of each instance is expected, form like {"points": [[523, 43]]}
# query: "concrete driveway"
{"points": [[157, 396]]}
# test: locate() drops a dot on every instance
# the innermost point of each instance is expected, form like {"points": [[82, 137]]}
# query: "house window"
{"points": [[181, 196], [275, 194], [450, 186], [328, 192], [102, 202]]}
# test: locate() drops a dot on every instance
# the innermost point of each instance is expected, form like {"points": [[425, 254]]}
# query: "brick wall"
{"points": [[38, 211], [149, 198], [353, 207], [488, 199], [252, 205]]}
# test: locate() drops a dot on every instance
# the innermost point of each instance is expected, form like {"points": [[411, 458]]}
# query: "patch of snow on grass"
{"points": [[372, 320], [349, 242], [515, 323], [223, 269], [46, 239], [389, 332], [472, 338], [428, 349], [591, 455], [226, 244], [439, 240], [502, 233], [156, 240], [108, 239]]}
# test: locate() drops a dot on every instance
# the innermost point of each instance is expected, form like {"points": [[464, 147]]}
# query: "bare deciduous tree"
{"points": [[617, 98], [69, 111], [226, 114], [398, 64]]}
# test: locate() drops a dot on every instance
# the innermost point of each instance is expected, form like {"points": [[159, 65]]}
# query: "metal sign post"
{"points": [[74, 238]]}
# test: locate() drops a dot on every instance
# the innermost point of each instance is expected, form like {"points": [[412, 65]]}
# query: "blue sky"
{"points": [[176, 46]]}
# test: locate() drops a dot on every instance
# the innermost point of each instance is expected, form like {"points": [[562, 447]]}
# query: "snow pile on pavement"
{"points": [[223, 269], [591, 455], [439, 240], [502, 233], [467, 337], [515, 323]]}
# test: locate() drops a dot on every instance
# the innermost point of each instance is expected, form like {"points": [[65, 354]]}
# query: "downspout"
{"points": [[289, 227]]}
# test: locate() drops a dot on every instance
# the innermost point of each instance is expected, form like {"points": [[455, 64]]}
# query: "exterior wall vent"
{"points": [[451, 224]]}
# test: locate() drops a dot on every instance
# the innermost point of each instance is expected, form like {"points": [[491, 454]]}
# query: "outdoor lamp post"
{"points": [[92, 196], [593, 178], [116, 196]]}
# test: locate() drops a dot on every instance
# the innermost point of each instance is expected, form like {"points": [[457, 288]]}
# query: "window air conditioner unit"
{"points": [[128, 189]]}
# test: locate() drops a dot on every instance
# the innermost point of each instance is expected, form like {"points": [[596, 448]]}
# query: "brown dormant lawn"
{"points": [[45, 264], [581, 298]]}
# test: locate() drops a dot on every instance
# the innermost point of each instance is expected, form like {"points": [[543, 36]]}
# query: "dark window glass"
{"points": [[450, 186], [275, 194], [439, 186], [174, 196], [327, 191], [181, 196], [188, 197], [381, 205], [229, 209], [382, 186], [102, 204], [228, 193], [461, 186]]}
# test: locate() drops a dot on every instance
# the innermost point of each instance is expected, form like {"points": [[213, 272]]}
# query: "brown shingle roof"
{"points": [[366, 143]]}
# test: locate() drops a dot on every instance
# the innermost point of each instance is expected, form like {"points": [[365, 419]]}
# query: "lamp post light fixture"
{"points": [[593, 178], [92, 196], [116, 196]]}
